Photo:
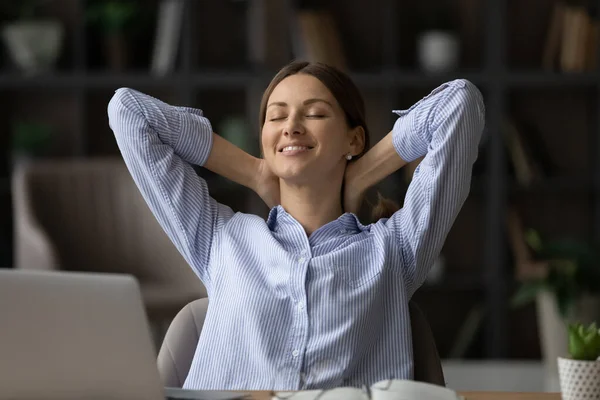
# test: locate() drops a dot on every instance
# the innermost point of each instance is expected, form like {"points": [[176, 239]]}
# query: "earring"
{"points": [[348, 156]]}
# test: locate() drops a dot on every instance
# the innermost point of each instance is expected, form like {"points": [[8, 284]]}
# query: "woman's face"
{"points": [[305, 136]]}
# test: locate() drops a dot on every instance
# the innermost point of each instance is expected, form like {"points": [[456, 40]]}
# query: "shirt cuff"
{"points": [[195, 140], [405, 137]]}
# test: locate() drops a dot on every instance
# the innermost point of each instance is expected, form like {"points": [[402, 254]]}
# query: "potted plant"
{"points": [[114, 20], [566, 290], [33, 42], [30, 140], [580, 374]]}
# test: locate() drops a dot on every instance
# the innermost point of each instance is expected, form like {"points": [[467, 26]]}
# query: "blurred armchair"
{"points": [[88, 215]]}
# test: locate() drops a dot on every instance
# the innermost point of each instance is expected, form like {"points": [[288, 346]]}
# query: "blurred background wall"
{"points": [[537, 178]]}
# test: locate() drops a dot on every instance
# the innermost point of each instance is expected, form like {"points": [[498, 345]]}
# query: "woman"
{"points": [[310, 298]]}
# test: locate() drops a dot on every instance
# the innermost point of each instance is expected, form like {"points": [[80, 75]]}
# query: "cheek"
{"points": [[332, 138], [267, 142]]}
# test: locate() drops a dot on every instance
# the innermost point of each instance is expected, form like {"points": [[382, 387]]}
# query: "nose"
{"points": [[293, 127]]}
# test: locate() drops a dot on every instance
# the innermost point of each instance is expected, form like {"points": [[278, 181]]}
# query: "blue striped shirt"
{"points": [[289, 311]]}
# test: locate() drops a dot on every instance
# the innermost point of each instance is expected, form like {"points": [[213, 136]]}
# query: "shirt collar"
{"points": [[346, 223]]}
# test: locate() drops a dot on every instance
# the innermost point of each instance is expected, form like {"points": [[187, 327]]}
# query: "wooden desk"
{"points": [[467, 395], [510, 396]]}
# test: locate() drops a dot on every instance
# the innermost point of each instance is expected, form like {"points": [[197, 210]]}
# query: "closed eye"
{"points": [[276, 119], [316, 116]]}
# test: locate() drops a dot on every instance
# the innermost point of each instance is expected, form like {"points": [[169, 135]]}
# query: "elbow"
{"points": [[118, 101], [474, 105], [121, 109], [466, 107]]}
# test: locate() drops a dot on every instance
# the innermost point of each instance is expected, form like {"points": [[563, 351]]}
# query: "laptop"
{"points": [[77, 335]]}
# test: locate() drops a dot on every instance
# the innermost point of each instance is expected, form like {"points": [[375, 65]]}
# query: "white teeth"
{"points": [[292, 148]]}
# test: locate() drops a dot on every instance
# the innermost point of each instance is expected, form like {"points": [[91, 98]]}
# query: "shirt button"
{"points": [[301, 260], [300, 306], [295, 353]]}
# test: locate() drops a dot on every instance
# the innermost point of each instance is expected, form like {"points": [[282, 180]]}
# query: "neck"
{"points": [[312, 205]]}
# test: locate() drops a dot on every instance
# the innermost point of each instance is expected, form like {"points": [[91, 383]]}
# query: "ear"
{"points": [[357, 140]]}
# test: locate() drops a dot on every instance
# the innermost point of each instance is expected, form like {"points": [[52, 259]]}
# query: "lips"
{"points": [[289, 149], [294, 148]]}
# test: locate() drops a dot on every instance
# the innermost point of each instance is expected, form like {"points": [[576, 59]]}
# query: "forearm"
{"points": [[375, 165], [190, 135], [233, 163]]}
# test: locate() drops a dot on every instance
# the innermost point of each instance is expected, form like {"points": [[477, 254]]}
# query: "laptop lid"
{"points": [[70, 335]]}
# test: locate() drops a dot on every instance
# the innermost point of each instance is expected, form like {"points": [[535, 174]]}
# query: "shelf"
{"points": [[553, 185], [392, 79], [113, 80], [245, 78], [219, 79], [551, 79]]}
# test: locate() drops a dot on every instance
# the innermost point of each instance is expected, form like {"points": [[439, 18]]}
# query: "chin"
{"points": [[295, 175]]}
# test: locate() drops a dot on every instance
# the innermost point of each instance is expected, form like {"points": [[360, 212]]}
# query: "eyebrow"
{"points": [[305, 102]]}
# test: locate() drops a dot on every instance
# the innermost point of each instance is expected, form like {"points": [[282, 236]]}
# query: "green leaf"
{"points": [[565, 298], [527, 292], [533, 239], [584, 343], [576, 345], [112, 16], [31, 137]]}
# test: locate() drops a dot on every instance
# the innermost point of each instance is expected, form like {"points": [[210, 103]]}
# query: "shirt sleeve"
{"points": [[159, 144], [445, 127]]}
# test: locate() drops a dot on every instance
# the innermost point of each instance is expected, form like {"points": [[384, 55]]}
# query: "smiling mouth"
{"points": [[294, 149]]}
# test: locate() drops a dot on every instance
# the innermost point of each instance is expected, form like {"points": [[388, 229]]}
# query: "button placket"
{"points": [[300, 264]]}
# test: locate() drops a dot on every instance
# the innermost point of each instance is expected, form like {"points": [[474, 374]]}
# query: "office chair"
{"points": [[179, 345], [88, 215]]}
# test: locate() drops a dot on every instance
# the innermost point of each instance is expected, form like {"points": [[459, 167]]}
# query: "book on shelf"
{"points": [[268, 33], [529, 163], [528, 158], [523, 165], [571, 39], [393, 389], [168, 33], [525, 265]]}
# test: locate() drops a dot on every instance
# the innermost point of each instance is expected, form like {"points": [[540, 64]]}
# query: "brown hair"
{"points": [[350, 100]]}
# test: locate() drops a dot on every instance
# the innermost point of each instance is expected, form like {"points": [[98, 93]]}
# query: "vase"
{"points": [[33, 46], [579, 380], [438, 51], [554, 338]]}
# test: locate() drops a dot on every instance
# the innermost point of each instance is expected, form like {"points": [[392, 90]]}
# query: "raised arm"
{"points": [[159, 144], [446, 128]]}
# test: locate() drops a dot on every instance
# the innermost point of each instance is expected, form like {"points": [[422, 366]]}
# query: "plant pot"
{"points": [[33, 46], [579, 380], [553, 331]]}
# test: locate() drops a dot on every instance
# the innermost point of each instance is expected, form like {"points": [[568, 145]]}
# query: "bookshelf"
{"points": [[218, 69]]}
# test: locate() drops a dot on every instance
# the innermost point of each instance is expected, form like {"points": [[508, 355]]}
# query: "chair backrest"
{"points": [[96, 218], [427, 366], [179, 345], [180, 342]]}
